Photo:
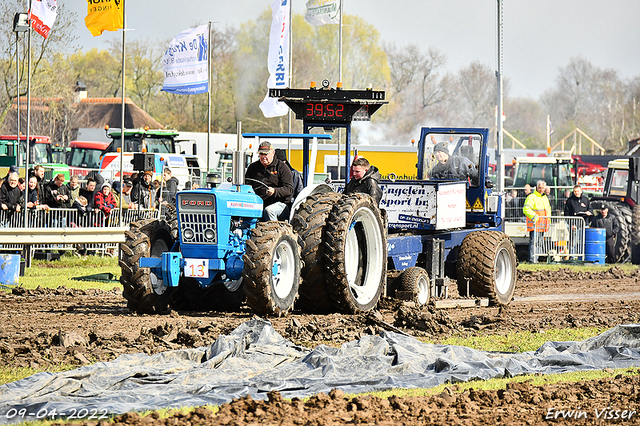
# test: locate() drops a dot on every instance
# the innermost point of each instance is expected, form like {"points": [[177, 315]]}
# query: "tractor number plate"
{"points": [[197, 268]]}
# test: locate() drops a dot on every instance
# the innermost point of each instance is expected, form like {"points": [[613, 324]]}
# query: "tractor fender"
{"points": [[317, 188]]}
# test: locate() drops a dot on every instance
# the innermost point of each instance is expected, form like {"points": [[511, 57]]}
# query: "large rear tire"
{"points": [[488, 260], [355, 253], [272, 268], [145, 292], [635, 235], [623, 244], [309, 223]]}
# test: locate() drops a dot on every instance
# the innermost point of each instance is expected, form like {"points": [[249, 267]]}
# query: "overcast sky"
{"points": [[540, 36]]}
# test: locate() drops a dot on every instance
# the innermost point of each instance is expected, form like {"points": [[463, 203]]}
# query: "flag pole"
{"points": [[208, 97], [340, 80], [289, 113], [26, 157], [124, 30]]}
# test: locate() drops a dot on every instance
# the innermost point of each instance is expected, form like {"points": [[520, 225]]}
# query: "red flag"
{"points": [[42, 16]]}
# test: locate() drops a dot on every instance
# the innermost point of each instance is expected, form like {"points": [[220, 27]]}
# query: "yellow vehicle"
{"points": [[393, 161]]}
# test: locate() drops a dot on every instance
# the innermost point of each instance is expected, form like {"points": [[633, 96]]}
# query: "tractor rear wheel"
{"points": [[355, 253], [309, 223], [487, 259], [272, 268], [145, 292], [416, 281], [623, 245], [635, 235]]}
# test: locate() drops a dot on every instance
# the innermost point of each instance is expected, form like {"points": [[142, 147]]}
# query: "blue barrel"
{"points": [[9, 269], [595, 248]]}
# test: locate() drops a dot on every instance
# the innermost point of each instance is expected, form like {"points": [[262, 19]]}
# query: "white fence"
{"points": [[65, 219], [559, 238]]}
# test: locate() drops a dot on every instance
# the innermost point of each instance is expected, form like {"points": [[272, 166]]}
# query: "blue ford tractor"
{"points": [[210, 252], [337, 251]]}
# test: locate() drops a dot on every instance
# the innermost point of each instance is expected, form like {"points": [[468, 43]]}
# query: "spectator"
{"points": [[89, 192], [81, 205], [56, 193], [21, 184], [512, 205], [271, 180], [578, 205], [537, 210], [74, 189], [12, 169], [365, 180], [125, 196], [170, 188], [104, 200], [10, 195], [296, 175], [144, 192], [609, 223], [33, 200]]}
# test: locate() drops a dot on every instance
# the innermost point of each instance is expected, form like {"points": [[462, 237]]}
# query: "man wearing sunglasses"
{"points": [[271, 179]]}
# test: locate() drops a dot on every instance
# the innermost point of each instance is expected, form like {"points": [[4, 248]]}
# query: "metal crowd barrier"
{"points": [[69, 218], [563, 238]]}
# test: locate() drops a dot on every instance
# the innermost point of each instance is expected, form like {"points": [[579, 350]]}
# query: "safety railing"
{"points": [[559, 238], [65, 219]]}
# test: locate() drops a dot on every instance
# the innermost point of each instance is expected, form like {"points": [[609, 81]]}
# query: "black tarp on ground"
{"points": [[254, 359]]}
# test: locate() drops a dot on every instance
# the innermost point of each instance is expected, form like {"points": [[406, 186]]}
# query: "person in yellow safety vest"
{"points": [[537, 209]]}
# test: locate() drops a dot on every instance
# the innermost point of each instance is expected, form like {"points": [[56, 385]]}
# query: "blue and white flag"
{"points": [[320, 12], [278, 59], [185, 62]]}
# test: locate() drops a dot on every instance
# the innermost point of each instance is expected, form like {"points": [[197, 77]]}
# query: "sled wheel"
{"points": [[415, 280], [145, 292], [309, 223], [272, 268], [488, 260], [355, 253]]}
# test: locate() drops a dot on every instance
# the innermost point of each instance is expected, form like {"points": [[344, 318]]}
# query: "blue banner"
{"points": [[185, 62]]}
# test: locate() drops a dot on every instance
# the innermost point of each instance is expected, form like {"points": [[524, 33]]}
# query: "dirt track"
{"points": [[43, 327]]}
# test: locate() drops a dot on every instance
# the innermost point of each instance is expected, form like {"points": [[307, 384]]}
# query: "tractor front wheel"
{"points": [[145, 291], [272, 266]]}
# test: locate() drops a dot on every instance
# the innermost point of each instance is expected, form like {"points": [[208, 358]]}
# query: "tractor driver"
{"points": [[452, 167], [271, 179]]}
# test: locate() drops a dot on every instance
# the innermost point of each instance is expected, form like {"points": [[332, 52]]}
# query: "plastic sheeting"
{"points": [[254, 359]]}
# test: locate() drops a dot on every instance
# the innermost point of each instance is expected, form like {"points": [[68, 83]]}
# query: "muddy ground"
{"points": [[44, 327]]}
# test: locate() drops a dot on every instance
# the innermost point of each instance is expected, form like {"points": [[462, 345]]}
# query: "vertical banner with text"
{"points": [[185, 62], [42, 16], [278, 59]]}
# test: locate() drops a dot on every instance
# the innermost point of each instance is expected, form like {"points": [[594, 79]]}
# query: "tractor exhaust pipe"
{"points": [[238, 163]]}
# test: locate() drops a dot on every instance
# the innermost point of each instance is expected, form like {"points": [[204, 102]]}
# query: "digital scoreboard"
{"points": [[317, 106]]}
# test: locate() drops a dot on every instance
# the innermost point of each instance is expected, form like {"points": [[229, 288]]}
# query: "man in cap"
{"points": [[125, 195], [452, 167], [271, 179], [144, 193]]}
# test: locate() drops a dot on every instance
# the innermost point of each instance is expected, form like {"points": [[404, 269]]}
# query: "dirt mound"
{"points": [[520, 403], [563, 274]]}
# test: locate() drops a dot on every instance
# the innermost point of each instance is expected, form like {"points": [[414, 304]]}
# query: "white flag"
{"points": [[278, 59], [320, 12], [185, 62], [42, 16]]}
